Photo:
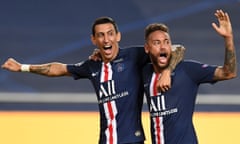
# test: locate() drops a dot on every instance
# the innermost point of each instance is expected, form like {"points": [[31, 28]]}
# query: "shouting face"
{"points": [[158, 46], [106, 39]]}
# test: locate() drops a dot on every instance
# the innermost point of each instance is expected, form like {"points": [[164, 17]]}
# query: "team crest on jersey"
{"points": [[120, 67]]}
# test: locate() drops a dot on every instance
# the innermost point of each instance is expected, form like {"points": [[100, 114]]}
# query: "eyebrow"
{"points": [[160, 40], [111, 30]]}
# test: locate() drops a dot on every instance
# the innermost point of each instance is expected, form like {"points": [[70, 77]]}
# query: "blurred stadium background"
{"points": [[43, 31]]}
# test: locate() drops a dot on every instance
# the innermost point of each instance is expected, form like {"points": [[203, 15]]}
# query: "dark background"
{"points": [[43, 31]]}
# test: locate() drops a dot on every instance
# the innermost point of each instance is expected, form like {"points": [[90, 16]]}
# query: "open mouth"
{"points": [[107, 50], [163, 58], [163, 55], [107, 47]]}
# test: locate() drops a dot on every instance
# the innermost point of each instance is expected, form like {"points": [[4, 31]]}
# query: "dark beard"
{"points": [[155, 62]]}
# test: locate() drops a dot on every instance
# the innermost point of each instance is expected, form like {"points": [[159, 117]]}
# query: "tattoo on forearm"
{"points": [[177, 56], [43, 70], [230, 61]]}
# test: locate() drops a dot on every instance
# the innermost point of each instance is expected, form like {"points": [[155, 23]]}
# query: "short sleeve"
{"points": [[79, 70], [200, 72]]}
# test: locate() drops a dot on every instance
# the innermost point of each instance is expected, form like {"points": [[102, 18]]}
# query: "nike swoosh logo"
{"points": [[94, 74]]}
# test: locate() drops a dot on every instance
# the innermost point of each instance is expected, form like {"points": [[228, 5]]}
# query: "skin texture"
{"points": [[159, 44], [224, 29], [106, 39]]}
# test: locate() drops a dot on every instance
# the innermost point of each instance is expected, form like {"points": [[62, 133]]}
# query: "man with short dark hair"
{"points": [[171, 112]]}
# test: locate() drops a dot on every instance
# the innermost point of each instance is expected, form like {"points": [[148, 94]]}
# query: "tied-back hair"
{"points": [[155, 27], [104, 20]]}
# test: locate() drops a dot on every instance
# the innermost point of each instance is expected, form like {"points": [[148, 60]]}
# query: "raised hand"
{"points": [[224, 28], [229, 69]]}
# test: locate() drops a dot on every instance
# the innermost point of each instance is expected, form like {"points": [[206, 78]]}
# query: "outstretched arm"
{"points": [[50, 69], [164, 83], [229, 69]]}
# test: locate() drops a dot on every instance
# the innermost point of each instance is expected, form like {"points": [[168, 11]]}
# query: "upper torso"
{"points": [[119, 91], [171, 112]]}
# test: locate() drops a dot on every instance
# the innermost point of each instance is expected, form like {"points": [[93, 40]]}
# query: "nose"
{"points": [[106, 38], [162, 46]]}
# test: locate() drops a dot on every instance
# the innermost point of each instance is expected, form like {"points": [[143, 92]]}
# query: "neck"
{"points": [[157, 69]]}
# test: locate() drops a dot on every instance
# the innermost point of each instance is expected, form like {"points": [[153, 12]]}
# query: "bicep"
{"points": [[58, 69]]}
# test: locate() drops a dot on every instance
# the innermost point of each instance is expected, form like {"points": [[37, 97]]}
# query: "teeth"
{"points": [[107, 47]]}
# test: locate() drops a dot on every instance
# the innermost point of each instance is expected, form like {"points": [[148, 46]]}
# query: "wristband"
{"points": [[25, 68]]}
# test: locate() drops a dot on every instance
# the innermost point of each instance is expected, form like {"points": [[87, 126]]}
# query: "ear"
{"points": [[119, 36], [93, 40], [146, 48]]}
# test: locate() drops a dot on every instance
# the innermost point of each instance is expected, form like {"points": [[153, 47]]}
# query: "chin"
{"points": [[162, 66]]}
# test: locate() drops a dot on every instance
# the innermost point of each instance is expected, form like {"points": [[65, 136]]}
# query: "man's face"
{"points": [[158, 46], [106, 39]]}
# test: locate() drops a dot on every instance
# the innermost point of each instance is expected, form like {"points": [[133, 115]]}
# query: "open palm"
{"points": [[224, 28]]}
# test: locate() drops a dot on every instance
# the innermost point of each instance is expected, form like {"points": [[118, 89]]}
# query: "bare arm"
{"points": [[164, 82], [50, 69], [229, 69], [177, 55]]}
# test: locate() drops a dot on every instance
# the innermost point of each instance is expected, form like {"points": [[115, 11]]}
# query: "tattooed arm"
{"points": [[164, 82], [229, 69], [50, 69], [177, 55]]}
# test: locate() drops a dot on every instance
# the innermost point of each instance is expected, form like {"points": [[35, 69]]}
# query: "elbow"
{"points": [[225, 73], [234, 75], [230, 72], [231, 75]]}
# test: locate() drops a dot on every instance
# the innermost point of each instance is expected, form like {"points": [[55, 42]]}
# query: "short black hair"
{"points": [[155, 27], [104, 20]]}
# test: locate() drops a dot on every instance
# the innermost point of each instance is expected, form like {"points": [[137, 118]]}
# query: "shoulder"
{"points": [[85, 64], [133, 48], [194, 63], [196, 67], [189, 63], [135, 51]]}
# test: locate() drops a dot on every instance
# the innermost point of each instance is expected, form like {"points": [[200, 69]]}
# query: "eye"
{"points": [[156, 42], [167, 42], [99, 35], [110, 33]]}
